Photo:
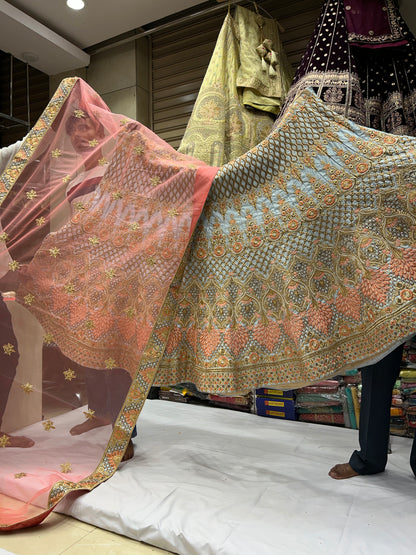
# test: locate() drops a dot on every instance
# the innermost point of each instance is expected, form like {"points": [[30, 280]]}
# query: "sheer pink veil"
{"points": [[96, 216]]}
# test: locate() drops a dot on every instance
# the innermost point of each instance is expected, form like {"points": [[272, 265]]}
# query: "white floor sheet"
{"points": [[211, 481]]}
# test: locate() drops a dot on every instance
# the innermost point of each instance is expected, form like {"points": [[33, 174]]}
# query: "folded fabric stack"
{"points": [[408, 393], [321, 403], [183, 393], [275, 403], [239, 402], [188, 393]]}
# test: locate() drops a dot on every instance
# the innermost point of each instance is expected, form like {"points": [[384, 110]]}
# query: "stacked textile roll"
{"points": [[321, 403], [188, 393], [242, 403], [275, 403]]}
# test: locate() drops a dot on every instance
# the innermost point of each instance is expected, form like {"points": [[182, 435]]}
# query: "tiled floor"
{"points": [[63, 534]]}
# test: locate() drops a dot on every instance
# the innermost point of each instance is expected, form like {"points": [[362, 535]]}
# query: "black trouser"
{"points": [[106, 390], [8, 362], [377, 387]]}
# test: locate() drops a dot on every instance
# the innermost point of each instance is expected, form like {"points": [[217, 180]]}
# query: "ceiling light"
{"points": [[75, 4]]}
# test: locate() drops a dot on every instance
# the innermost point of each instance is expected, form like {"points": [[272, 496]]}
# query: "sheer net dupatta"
{"points": [[96, 216]]}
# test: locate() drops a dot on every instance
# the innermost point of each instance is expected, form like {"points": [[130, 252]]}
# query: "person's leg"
{"points": [[97, 393], [374, 427], [9, 358]]}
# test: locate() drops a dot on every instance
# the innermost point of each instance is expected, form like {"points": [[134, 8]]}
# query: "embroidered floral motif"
{"points": [[14, 265], [48, 425], [69, 375], [48, 338], [31, 194], [27, 387], [89, 414], [9, 349], [29, 299], [4, 440], [66, 468]]}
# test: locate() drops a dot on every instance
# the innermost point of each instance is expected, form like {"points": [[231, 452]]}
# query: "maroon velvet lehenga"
{"points": [[361, 61]]}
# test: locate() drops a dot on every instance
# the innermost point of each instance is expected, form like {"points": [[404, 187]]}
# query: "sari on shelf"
{"points": [[286, 266]]}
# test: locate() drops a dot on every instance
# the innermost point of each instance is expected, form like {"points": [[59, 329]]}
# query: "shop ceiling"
{"points": [[53, 38]]}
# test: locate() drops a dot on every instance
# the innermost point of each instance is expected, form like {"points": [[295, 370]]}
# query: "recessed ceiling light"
{"points": [[75, 4]]}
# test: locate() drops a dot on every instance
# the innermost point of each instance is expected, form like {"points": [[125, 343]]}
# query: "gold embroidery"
{"points": [[8, 349], [69, 374], [110, 363], [110, 273], [40, 221], [54, 251], [32, 194], [69, 288], [79, 205], [20, 475], [79, 114], [29, 298], [14, 265], [89, 414], [155, 181], [66, 467], [56, 153], [27, 387], [93, 240], [93, 142], [48, 338], [48, 425], [4, 440], [102, 162]]}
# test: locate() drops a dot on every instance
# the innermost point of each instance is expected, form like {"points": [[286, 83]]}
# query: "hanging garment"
{"points": [[245, 83], [301, 266], [361, 61]]}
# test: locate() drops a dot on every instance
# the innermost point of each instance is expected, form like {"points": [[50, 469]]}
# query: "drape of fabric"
{"points": [[303, 262], [239, 91], [302, 265], [360, 61], [96, 215]]}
